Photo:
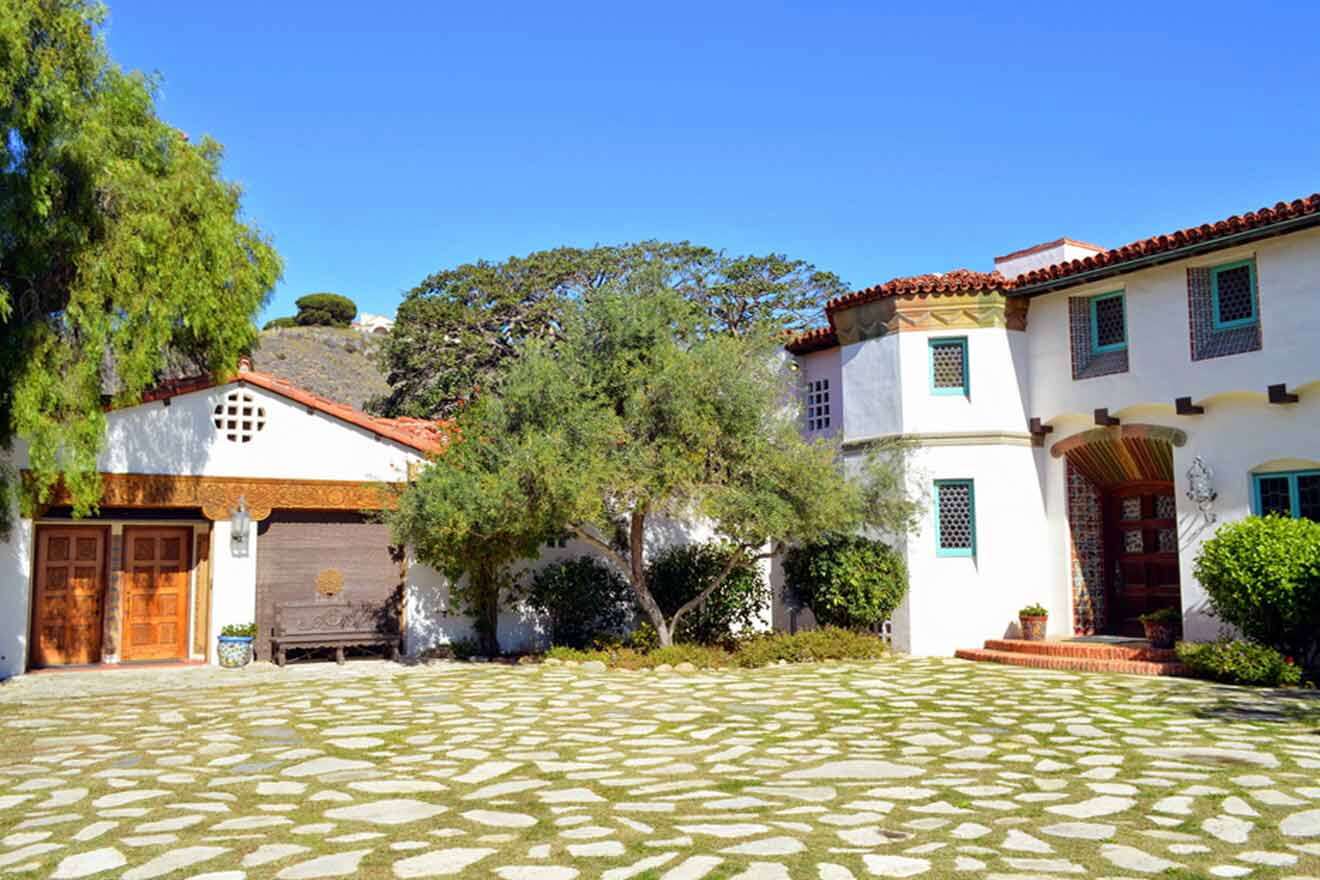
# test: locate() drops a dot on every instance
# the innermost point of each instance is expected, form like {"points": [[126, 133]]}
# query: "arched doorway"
{"points": [[1123, 525]]}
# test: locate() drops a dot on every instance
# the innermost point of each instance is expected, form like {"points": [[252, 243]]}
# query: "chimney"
{"points": [[1039, 256]]}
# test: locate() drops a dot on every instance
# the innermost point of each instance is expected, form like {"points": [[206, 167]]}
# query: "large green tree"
{"points": [[456, 330], [640, 412], [122, 249]]}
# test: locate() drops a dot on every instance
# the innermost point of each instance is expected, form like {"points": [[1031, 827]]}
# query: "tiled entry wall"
{"points": [[1086, 529]]}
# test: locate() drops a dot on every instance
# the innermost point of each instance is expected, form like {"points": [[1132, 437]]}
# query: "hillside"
{"points": [[333, 362]]}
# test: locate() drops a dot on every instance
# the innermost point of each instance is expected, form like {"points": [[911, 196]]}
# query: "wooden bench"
{"points": [[337, 625]]}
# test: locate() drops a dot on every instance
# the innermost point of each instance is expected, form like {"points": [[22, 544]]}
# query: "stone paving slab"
{"points": [[899, 768]]}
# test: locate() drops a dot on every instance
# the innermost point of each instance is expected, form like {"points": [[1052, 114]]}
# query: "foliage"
{"points": [[1037, 610], [1161, 616], [456, 330], [465, 516], [1239, 662], [239, 630], [638, 412], [846, 580], [325, 310], [583, 599], [679, 573], [122, 250], [280, 323], [1262, 575], [763, 650], [465, 649], [813, 645]]}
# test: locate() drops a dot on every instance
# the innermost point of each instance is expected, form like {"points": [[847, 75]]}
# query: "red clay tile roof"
{"points": [[1205, 234], [426, 436], [933, 284], [815, 339]]}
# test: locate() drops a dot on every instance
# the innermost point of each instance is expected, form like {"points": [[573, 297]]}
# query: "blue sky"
{"points": [[380, 142]]}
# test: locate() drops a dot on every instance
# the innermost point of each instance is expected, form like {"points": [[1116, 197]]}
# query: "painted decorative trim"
{"points": [[925, 313], [1096, 347], [1294, 490], [218, 496], [947, 438], [970, 548], [960, 343]]}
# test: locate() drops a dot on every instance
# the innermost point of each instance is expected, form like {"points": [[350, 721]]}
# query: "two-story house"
{"points": [[1083, 419]]}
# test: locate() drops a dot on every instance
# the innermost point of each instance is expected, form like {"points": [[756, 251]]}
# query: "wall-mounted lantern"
{"points": [[1201, 488], [239, 522]]}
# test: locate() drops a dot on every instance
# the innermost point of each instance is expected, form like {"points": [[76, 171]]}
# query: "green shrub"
{"points": [[583, 599], [1239, 662], [565, 653], [277, 323], [829, 643], [847, 581], [1037, 610], [1162, 615], [239, 630], [464, 649], [325, 310], [1262, 575], [678, 574]]}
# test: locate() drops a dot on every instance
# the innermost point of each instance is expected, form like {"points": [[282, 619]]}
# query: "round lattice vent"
{"points": [[238, 417]]}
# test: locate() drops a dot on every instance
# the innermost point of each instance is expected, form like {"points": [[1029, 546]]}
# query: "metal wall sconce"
{"points": [[239, 523], [1201, 488]]}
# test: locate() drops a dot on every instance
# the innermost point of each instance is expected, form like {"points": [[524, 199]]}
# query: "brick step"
{"points": [[1087, 650], [1074, 664]]}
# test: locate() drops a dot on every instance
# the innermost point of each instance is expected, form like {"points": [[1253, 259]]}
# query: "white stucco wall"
{"points": [[1160, 368], [825, 365], [872, 392], [15, 597]]}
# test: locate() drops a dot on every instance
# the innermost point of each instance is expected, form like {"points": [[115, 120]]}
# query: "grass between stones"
{"points": [[895, 768]]}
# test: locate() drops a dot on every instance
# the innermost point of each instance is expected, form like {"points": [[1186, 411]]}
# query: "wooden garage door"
{"points": [[69, 596], [295, 547], [155, 593]]}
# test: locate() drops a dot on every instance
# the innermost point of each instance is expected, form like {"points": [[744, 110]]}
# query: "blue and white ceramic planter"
{"points": [[235, 651]]}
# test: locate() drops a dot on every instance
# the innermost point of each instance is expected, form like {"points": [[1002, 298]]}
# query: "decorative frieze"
{"points": [[218, 496], [929, 312]]}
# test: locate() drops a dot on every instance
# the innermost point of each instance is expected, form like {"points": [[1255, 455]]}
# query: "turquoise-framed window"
{"points": [[955, 518], [1108, 322], [1233, 295], [1287, 493], [948, 366]]}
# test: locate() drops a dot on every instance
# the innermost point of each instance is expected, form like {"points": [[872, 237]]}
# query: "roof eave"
{"points": [[1292, 224]]}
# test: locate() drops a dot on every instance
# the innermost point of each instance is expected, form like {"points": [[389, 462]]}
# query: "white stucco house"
{"points": [[1060, 407]]}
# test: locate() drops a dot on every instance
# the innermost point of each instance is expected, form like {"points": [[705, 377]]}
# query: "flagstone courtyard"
{"points": [[901, 768]]}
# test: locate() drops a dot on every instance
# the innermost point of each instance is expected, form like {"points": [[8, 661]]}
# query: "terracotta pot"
{"points": [[1033, 628], [1160, 635]]}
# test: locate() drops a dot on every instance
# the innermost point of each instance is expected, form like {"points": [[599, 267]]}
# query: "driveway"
{"points": [[900, 768]]}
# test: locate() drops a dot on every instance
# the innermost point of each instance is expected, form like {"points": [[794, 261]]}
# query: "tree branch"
{"points": [[601, 545], [739, 555]]}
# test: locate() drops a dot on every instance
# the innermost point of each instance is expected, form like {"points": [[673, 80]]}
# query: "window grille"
{"points": [[1133, 542], [1166, 507], [955, 518], [1168, 541], [1131, 507], [1294, 493], [238, 417], [1108, 322], [818, 404], [1233, 291], [948, 366]]}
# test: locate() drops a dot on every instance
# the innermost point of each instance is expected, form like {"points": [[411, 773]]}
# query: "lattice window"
{"points": [[238, 417], [1133, 542], [1131, 508], [818, 404], [955, 518], [1168, 541], [948, 366], [1166, 507], [1108, 322], [1295, 494], [1233, 290]]}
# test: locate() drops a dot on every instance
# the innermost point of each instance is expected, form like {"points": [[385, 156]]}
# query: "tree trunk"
{"points": [[486, 605], [637, 575]]}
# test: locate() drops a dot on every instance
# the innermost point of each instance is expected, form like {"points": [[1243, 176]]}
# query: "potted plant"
{"points": [[235, 647], [1033, 619], [1161, 627]]}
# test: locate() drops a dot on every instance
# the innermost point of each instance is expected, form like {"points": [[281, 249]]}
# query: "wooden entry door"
{"points": [[1142, 543], [155, 593], [69, 598]]}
